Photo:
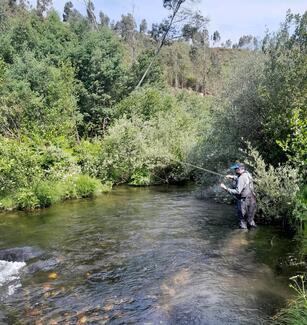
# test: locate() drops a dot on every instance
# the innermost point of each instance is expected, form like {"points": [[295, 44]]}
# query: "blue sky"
{"points": [[232, 18]]}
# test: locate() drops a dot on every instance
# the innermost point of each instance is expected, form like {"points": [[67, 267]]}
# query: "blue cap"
{"points": [[237, 166]]}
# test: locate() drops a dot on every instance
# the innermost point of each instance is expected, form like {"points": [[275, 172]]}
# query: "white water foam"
{"points": [[9, 271]]}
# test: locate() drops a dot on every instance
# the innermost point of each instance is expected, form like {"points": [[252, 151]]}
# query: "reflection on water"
{"points": [[152, 255]]}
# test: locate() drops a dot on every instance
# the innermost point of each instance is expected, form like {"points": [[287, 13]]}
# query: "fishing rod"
{"points": [[201, 168]]}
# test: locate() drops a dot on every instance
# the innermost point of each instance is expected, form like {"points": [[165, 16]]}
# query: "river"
{"points": [[150, 255]]}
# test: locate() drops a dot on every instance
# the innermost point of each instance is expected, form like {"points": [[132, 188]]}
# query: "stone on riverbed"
{"points": [[19, 254]]}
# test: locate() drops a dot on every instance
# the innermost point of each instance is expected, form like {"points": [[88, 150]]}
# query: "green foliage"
{"points": [[47, 193], [277, 189], [26, 199], [121, 150], [87, 154], [38, 100], [141, 178], [81, 186], [99, 68], [86, 186], [283, 89], [144, 146], [236, 116], [7, 203], [145, 103], [296, 312], [19, 166], [156, 76], [301, 209]]}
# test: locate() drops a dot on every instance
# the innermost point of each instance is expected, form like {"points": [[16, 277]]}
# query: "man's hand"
{"points": [[223, 186], [229, 176]]}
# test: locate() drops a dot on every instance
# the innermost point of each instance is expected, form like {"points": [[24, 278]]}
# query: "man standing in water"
{"points": [[245, 195]]}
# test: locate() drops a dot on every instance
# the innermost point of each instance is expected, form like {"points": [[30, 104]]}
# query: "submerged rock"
{"points": [[19, 254]]}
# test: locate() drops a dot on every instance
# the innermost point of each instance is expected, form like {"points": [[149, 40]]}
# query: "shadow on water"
{"points": [[149, 255]]}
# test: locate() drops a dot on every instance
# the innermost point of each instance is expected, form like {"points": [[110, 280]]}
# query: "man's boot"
{"points": [[243, 224], [252, 224]]}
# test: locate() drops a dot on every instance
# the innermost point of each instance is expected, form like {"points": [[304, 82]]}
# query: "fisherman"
{"points": [[245, 195]]}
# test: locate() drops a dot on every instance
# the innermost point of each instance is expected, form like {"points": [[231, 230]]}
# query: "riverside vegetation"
{"points": [[73, 124]]}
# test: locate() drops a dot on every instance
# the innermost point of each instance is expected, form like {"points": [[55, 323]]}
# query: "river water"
{"points": [[140, 256]]}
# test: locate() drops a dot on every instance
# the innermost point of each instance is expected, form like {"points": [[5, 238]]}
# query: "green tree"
{"points": [[216, 37], [90, 10], [99, 68], [126, 28], [67, 11], [104, 19], [143, 26], [42, 6], [284, 90]]}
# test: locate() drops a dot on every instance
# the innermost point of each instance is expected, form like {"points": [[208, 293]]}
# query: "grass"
{"points": [[45, 193], [296, 312]]}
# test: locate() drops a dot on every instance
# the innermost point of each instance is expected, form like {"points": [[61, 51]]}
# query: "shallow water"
{"points": [[142, 256]]}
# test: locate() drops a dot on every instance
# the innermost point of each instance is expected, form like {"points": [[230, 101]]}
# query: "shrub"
{"points": [[121, 151], [87, 186], [7, 203], [47, 193], [19, 165], [146, 103], [87, 154], [141, 178], [277, 189], [106, 187], [68, 188], [301, 210], [26, 199]]}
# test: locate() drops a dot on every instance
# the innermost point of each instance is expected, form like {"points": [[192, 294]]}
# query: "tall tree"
{"points": [[126, 28], [228, 43], [90, 10], [143, 26], [174, 6], [12, 4], [67, 10], [195, 29], [216, 37], [104, 19], [42, 6], [246, 41]]}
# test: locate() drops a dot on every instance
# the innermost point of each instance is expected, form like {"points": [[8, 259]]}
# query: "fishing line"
{"points": [[201, 168]]}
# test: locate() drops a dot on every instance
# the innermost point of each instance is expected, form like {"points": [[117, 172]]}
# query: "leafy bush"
{"points": [[68, 188], [19, 165], [79, 186], [87, 154], [7, 203], [277, 189], [47, 193], [87, 186], [301, 211], [121, 151], [26, 199], [141, 178], [283, 90], [56, 162], [145, 103]]}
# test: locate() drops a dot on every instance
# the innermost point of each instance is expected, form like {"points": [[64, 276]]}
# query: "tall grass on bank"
{"points": [[296, 312], [45, 193]]}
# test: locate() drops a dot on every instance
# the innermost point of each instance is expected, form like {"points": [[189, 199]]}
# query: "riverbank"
{"points": [[44, 194]]}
